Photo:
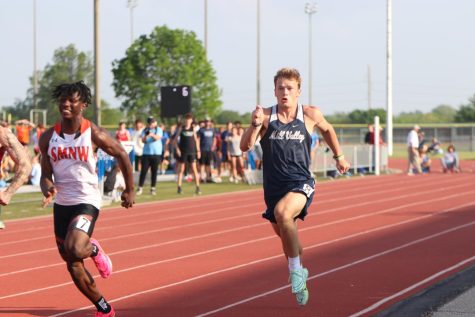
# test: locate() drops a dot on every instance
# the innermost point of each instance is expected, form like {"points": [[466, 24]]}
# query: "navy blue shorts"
{"points": [[272, 197]]}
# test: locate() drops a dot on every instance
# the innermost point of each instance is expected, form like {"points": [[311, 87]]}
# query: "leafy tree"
{"points": [[166, 57], [69, 65], [444, 113], [232, 116], [466, 113], [367, 116]]}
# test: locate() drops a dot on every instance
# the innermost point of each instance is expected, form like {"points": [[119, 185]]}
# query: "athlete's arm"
{"points": [[46, 179], [21, 157], [258, 127], [103, 140], [316, 119]]}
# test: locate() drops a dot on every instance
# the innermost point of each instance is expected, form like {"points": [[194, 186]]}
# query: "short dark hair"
{"points": [[70, 89]]}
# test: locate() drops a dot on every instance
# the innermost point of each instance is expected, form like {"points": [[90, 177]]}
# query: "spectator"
{"points": [[413, 153], [122, 134], [165, 160], [207, 145], [152, 154], [187, 152], [314, 145], [225, 158], [422, 139], [450, 162], [35, 175], [23, 129], [425, 159], [40, 128], [367, 137], [138, 144], [435, 148], [235, 152]]}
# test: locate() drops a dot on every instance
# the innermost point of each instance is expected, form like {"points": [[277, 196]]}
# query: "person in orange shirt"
{"points": [[23, 129]]}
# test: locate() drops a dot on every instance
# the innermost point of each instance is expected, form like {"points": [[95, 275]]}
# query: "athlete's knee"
{"points": [[283, 214], [75, 251]]}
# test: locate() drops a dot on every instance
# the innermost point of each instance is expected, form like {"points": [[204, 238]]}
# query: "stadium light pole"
{"points": [[258, 52], [310, 9], [97, 66], [35, 68], [389, 81], [206, 27], [131, 4]]}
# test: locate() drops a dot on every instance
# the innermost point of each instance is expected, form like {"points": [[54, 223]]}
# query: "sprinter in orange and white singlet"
{"points": [[74, 166], [68, 174]]}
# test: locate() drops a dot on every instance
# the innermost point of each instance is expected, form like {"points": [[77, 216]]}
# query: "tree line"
{"points": [[172, 57]]}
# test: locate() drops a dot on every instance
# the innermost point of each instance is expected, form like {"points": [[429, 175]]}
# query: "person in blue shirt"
{"points": [[152, 154]]}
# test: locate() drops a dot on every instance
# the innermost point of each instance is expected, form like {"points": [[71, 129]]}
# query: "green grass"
{"points": [[29, 204]]}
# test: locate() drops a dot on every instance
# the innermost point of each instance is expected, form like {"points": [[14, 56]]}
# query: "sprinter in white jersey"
{"points": [[68, 174], [285, 130]]}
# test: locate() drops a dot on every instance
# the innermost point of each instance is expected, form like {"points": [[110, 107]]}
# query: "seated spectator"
{"points": [[450, 162], [425, 159], [435, 148], [34, 178]]}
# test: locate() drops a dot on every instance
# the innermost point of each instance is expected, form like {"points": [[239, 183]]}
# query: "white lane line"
{"points": [[323, 186], [236, 217], [229, 247], [413, 286], [280, 255], [252, 241], [348, 265]]}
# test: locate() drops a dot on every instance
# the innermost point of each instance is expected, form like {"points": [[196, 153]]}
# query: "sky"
{"points": [[433, 47]]}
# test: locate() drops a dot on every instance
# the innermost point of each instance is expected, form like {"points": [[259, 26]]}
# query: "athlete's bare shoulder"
{"points": [[314, 118]]}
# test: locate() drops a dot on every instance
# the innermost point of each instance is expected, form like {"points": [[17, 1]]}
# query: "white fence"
{"points": [[360, 157]]}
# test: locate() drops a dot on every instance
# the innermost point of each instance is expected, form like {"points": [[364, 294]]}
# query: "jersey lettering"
{"points": [[80, 153]]}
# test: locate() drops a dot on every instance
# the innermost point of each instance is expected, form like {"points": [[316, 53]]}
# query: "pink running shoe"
{"points": [[102, 261], [109, 314]]}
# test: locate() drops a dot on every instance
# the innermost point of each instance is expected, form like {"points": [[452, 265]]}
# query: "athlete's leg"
{"points": [[277, 232], [285, 212], [78, 247]]}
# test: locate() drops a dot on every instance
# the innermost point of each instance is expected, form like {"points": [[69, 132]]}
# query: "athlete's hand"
{"points": [[128, 198], [5, 198], [342, 166], [50, 196], [257, 116]]}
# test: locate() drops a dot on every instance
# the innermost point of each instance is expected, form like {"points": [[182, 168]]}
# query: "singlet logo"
{"points": [[287, 135], [80, 153]]}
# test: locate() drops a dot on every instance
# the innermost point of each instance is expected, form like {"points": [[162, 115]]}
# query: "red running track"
{"points": [[368, 243]]}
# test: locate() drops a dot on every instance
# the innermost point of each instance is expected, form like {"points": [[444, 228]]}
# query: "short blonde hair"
{"points": [[288, 73]]}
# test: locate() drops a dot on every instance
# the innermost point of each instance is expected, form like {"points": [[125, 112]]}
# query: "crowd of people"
{"points": [[420, 154], [194, 150]]}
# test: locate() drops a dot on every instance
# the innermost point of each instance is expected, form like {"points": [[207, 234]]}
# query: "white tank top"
{"points": [[74, 166]]}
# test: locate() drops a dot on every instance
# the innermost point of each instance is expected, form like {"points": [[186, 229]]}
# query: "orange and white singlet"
{"points": [[74, 166]]}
